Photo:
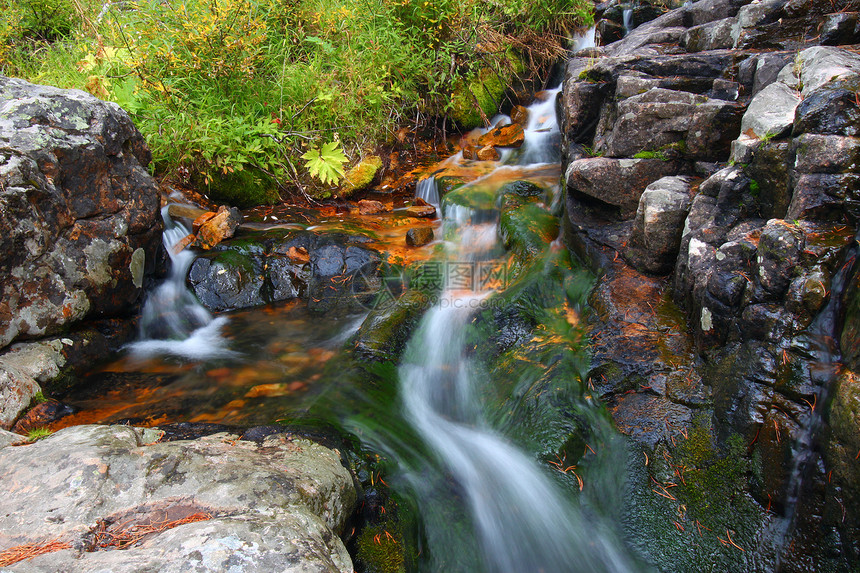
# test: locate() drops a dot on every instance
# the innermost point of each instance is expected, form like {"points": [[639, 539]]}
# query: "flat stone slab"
{"points": [[232, 505]]}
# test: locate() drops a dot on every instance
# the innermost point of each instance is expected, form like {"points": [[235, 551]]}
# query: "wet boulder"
{"points": [[227, 280], [617, 183], [840, 28], [656, 236], [830, 110], [779, 251], [419, 236], [332, 271], [771, 112], [825, 197], [123, 501], [79, 213]]}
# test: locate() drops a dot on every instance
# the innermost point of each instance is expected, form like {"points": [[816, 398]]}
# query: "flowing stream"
{"points": [[173, 321], [486, 504], [524, 524]]}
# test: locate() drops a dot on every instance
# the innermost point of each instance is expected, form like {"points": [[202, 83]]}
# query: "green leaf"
{"points": [[326, 164]]}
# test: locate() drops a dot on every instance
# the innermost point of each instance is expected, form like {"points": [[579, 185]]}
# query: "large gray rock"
{"points": [[771, 112], [275, 506], [818, 65], [711, 36], [649, 122], [79, 214], [656, 235], [616, 182]]}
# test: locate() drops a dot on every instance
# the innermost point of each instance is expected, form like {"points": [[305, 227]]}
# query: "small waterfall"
{"points": [[627, 20], [427, 190], [584, 40], [524, 523], [173, 321], [822, 344], [542, 135]]}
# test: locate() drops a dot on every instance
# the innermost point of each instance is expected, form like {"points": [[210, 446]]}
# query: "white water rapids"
{"points": [[523, 522], [173, 321]]}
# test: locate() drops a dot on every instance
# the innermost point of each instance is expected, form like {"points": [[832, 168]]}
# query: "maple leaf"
{"points": [[326, 163]]}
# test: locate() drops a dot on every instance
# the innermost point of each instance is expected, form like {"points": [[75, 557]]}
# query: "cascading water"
{"points": [[821, 344], [173, 321], [522, 520], [627, 20], [541, 131], [427, 190]]}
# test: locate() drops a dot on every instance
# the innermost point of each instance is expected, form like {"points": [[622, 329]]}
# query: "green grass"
{"points": [[38, 433], [243, 89]]}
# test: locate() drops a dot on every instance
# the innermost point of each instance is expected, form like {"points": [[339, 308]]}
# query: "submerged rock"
{"points": [[419, 236], [79, 214], [211, 504]]}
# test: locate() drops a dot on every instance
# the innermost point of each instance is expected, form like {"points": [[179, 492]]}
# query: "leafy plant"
{"points": [[226, 87], [326, 163]]}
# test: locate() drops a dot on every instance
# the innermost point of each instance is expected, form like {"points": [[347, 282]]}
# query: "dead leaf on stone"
{"points": [[298, 255]]}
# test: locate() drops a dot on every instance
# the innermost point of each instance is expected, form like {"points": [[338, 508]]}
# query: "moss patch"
{"points": [[484, 90], [361, 175], [243, 189]]}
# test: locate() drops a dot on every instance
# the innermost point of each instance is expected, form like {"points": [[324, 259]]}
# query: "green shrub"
{"points": [[227, 87]]}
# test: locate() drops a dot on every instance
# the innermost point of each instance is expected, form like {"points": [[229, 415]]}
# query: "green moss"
{"points": [[755, 188], [714, 478], [589, 75], [245, 188], [651, 155], [485, 88], [360, 175], [526, 227], [475, 197]]}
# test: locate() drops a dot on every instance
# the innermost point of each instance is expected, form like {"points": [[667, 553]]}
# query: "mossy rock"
{"points": [[386, 330], [526, 227], [487, 88], [361, 175], [474, 197], [243, 189]]}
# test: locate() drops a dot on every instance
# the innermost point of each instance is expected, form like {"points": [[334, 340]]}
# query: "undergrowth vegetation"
{"points": [[237, 92]]}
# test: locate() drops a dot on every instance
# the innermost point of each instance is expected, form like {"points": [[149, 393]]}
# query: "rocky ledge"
{"points": [[114, 498], [711, 177]]}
